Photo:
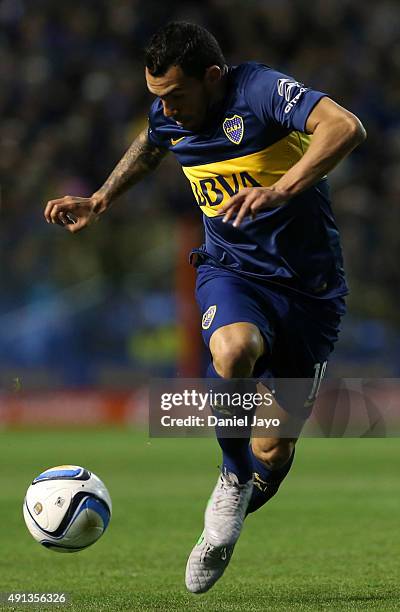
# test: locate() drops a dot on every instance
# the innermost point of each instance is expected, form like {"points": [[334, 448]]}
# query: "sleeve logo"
{"points": [[208, 316], [285, 90]]}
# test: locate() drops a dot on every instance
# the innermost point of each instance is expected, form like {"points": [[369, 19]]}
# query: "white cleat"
{"points": [[206, 565], [226, 510]]}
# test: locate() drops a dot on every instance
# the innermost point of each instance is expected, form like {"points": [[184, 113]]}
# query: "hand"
{"points": [[74, 213], [250, 201]]}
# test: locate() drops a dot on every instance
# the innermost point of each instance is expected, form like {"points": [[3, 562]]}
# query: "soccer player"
{"points": [[256, 146]]}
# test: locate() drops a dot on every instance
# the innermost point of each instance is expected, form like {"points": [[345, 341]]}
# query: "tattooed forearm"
{"points": [[141, 158]]}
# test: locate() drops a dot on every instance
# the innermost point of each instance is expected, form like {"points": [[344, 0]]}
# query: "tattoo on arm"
{"points": [[141, 158]]}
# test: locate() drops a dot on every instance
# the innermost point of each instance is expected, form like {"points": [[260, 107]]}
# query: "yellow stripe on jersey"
{"points": [[213, 184]]}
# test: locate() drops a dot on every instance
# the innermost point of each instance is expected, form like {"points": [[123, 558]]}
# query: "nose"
{"points": [[168, 110]]}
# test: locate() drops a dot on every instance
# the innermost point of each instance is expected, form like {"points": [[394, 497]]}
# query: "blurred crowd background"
{"points": [[100, 308]]}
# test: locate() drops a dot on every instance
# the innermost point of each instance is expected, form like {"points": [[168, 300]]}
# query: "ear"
{"points": [[213, 75]]}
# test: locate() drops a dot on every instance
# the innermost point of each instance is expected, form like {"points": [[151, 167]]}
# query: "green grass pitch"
{"points": [[328, 541]]}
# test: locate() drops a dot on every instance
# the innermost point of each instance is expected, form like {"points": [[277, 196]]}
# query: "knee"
{"points": [[275, 454], [234, 356]]}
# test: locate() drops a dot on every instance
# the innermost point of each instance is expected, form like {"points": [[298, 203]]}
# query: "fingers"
{"points": [[243, 211], [67, 219], [230, 214], [234, 201], [71, 218], [63, 218], [49, 208], [63, 205], [54, 211], [56, 214], [230, 209], [239, 206], [73, 213], [73, 228]]}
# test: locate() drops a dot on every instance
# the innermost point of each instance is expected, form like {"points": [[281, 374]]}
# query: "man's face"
{"points": [[185, 99]]}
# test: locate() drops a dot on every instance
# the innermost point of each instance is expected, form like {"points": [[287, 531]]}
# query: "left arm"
{"points": [[336, 132]]}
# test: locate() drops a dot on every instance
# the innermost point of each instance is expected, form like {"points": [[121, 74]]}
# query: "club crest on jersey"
{"points": [[234, 128], [208, 317]]}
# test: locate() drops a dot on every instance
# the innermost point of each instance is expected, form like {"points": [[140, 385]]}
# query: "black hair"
{"points": [[183, 44]]}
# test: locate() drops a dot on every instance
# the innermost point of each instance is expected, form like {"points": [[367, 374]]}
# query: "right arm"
{"points": [[75, 213]]}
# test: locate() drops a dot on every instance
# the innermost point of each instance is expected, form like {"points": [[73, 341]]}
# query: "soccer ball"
{"points": [[67, 508]]}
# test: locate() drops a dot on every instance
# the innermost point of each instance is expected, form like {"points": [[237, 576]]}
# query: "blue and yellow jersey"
{"points": [[253, 137]]}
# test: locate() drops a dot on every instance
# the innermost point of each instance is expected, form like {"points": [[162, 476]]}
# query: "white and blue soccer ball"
{"points": [[67, 508]]}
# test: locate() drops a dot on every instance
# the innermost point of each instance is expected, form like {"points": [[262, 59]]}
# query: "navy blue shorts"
{"points": [[299, 332]]}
